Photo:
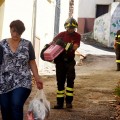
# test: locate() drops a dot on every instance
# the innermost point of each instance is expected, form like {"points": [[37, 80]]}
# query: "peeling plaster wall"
{"points": [[102, 28], [106, 26], [115, 24]]}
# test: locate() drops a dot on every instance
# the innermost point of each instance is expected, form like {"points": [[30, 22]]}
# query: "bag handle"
{"points": [[40, 94]]}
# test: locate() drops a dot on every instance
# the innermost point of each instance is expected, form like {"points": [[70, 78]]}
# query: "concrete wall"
{"points": [[1, 16], [64, 13], [86, 18], [18, 9], [115, 24], [44, 29], [45, 26], [106, 26], [102, 28], [89, 7], [41, 28]]}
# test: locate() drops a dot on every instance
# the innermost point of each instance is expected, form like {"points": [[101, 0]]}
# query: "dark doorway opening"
{"points": [[101, 9]]}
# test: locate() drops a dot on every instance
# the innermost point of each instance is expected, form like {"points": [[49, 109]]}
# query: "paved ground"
{"points": [[94, 87], [94, 91]]}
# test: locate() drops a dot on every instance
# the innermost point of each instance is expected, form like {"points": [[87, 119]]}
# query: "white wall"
{"points": [[23, 10], [64, 14], [18, 9], [76, 9], [45, 21], [115, 23], [1, 17], [87, 8], [106, 26], [45, 30], [103, 1], [102, 29]]}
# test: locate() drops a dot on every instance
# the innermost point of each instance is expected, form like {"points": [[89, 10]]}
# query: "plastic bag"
{"points": [[39, 107]]}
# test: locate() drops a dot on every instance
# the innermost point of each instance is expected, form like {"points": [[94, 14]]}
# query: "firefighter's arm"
{"points": [[75, 46], [114, 45], [71, 46]]}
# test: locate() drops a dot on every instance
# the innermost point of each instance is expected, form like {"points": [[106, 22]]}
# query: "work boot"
{"points": [[58, 107], [118, 66], [69, 105], [60, 103]]}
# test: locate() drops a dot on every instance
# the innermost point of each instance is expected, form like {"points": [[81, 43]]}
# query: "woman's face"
{"points": [[14, 34]]}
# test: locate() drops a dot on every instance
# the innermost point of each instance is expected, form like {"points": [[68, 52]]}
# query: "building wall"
{"points": [[64, 13], [44, 29], [40, 30], [115, 24], [102, 28], [1, 2], [18, 9], [106, 26], [42, 26], [87, 12], [1, 16], [45, 26]]}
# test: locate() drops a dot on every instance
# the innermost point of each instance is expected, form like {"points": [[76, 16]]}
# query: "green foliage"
{"points": [[117, 90]]}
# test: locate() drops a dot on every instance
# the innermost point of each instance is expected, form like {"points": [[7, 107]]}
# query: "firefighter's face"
{"points": [[70, 30]]}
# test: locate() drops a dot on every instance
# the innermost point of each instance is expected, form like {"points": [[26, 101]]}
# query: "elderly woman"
{"points": [[15, 76]]}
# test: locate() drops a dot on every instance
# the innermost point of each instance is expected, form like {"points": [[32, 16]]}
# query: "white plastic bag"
{"points": [[39, 107]]}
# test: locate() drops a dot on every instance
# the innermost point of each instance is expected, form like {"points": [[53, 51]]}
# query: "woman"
{"points": [[15, 76]]}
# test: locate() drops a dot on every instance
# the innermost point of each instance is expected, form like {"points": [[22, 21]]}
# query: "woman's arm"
{"points": [[1, 54], [34, 70]]}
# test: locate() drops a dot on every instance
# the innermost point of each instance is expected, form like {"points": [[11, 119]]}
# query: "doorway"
{"points": [[101, 9]]}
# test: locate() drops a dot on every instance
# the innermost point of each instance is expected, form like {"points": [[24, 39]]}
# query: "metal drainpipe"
{"points": [[34, 22]]}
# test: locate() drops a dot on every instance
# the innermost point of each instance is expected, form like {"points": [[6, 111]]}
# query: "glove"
{"points": [[69, 46], [60, 42], [41, 54]]}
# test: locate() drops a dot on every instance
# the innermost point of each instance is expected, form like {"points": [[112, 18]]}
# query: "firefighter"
{"points": [[117, 49], [65, 64]]}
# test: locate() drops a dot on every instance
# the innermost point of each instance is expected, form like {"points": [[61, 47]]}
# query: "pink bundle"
{"points": [[52, 52]]}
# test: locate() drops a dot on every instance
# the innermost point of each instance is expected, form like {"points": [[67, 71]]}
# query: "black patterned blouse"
{"points": [[15, 70]]}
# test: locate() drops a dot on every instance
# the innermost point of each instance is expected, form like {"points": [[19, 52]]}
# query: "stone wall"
{"points": [[71, 8]]}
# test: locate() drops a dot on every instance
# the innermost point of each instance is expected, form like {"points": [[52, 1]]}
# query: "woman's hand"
{"points": [[36, 76], [39, 84]]}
